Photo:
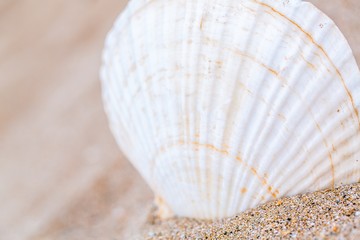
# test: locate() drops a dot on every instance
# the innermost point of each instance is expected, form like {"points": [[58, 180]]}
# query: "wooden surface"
{"points": [[61, 173]]}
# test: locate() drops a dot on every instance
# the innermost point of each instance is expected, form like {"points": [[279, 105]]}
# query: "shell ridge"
{"points": [[267, 188], [196, 96], [111, 98], [158, 110], [249, 132], [206, 17], [223, 143], [231, 115], [290, 115], [179, 168], [185, 55], [131, 120], [243, 132]]}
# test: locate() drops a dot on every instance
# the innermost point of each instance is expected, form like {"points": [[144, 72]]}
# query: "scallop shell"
{"points": [[223, 105]]}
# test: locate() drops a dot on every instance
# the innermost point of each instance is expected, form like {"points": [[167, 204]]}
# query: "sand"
{"points": [[328, 214]]}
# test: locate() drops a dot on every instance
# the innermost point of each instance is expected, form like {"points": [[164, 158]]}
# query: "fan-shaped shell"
{"points": [[225, 104]]}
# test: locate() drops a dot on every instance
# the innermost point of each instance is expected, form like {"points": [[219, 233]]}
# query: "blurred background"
{"points": [[61, 173]]}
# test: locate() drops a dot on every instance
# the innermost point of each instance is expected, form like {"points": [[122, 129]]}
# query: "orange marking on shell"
{"points": [[264, 182], [309, 64], [271, 70], [239, 159], [211, 147], [243, 190], [333, 148]]}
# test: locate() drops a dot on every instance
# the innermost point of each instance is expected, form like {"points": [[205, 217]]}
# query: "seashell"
{"points": [[223, 105]]}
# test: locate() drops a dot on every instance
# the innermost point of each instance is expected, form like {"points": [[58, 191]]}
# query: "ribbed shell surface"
{"points": [[225, 104]]}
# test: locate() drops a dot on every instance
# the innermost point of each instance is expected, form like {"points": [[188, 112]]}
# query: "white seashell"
{"points": [[225, 104]]}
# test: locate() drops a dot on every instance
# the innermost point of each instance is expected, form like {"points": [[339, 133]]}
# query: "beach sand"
{"points": [[328, 214]]}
